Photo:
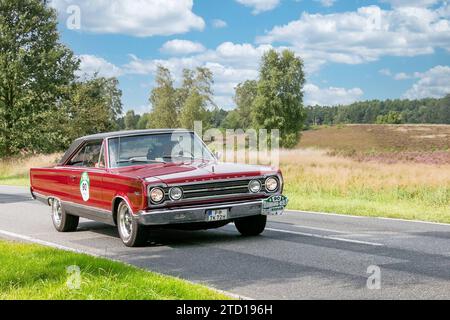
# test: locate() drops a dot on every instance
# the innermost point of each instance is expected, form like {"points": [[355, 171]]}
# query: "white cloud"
{"points": [[402, 76], [177, 46], [91, 65], [385, 72], [219, 24], [364, 35], [260, 5], [141, 18], [434, 83], [326, 3], [330, 96]]}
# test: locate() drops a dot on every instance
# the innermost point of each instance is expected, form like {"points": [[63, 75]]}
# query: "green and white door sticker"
{"points": [[84, 186]]}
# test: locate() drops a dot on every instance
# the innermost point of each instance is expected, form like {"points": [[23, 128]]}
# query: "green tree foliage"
{"points": [[194, 97], [164, 101], [216, 117], [131, 120], [193, 110], [244, 98], [232, 120], [435, 111], [144, 121], [93, 107], [174, 107], [35, 68], [279, 99], [393, 117]]}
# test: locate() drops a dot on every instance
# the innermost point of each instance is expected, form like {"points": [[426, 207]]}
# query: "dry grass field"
{"points": [[15, 171], [383, 143], [316, 181]]}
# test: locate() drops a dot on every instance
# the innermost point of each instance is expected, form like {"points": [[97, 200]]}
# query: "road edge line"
{"points": [[368, 217]]}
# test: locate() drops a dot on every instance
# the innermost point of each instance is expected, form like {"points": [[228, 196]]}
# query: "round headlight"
{"points": [[175, 193], [157, 195], [271, 184], [254, 186]]}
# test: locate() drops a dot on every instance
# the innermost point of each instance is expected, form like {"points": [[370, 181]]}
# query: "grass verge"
{"points": [[33, 272]]}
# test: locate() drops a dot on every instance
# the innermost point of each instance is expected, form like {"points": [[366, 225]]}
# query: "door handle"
{"points": [[73, 178]]}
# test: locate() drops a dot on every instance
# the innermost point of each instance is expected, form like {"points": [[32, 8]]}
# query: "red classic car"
{"points": [[155, 178]]}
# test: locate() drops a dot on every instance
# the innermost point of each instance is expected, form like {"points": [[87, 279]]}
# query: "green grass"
{"points": [[30, 272], [19, 180], [368, 208]]}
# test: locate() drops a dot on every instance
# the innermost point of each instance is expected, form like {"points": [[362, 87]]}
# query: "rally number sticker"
{"points": [[84, 186]]}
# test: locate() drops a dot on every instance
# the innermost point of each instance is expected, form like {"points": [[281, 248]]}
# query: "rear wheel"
{"points": [[63, 221], [131, 232], [251, 226]]}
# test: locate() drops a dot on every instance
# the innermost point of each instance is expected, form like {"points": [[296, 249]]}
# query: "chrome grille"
{"points": [[212, 190]]}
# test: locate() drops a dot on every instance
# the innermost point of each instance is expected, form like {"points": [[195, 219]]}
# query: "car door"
{"points": [[85, 174]]}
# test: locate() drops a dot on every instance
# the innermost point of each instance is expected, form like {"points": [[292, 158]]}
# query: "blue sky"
{"points": [[353, 50]]}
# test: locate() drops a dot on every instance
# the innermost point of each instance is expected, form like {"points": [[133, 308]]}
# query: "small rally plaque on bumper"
{"points": [[274, 206]]}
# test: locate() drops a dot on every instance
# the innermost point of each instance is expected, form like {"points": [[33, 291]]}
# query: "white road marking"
{"points": [[43, 242], [367, 217], [321, 229], [326, 237]]}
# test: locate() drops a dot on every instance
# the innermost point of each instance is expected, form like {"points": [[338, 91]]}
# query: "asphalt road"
{"points": [[300, 255]]}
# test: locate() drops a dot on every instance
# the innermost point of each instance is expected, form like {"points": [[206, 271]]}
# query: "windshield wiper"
{"points": [[136, 160]]}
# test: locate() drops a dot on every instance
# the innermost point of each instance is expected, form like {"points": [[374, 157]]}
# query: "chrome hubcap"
{"points": [[56, 211], [125, 222]]}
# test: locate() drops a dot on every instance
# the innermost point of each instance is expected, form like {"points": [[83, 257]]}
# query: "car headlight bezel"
{"points": [[177, 197], [256, 183], [156, 195], [272, 184]]}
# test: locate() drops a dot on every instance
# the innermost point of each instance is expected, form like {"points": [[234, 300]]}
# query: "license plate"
{"points": [[217, 215], [274, 206]]}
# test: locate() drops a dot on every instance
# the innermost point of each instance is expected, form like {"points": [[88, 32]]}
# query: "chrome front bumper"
{"points": [[198, 214]]}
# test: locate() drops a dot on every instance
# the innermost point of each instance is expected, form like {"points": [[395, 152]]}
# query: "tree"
{"points": [[93, 107], [131, 120], [232, 120], [392, 117], [279, 99], [193, 110], [35, 68], [164, 101], [144, 121], [194, 96], [245, 94]]}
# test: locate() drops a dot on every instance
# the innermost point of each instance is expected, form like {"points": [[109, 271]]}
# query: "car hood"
{"points": [[186, 172]]}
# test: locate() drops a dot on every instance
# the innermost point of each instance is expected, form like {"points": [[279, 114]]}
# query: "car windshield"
{"points": [[157, 148]]}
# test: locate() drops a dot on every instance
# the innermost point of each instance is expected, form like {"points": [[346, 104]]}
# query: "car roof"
{"points": [[101, 136]]}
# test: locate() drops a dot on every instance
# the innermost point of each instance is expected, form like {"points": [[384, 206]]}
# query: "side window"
{"points": [[92, 155], [78, 159], [87, 156]]}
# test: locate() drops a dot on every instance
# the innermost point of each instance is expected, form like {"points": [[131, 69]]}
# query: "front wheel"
{"points": [[131, 232], [63, 221], [251, 226]]}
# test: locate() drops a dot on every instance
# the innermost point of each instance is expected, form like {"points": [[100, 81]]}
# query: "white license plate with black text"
{"points": [[217, 215]]}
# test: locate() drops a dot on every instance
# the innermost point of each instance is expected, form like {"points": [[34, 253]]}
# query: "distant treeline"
{"points": [[435, 111]]}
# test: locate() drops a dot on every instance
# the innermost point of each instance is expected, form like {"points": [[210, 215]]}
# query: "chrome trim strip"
{"points": [[82, 206], [207, 207], [70, 203]]}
